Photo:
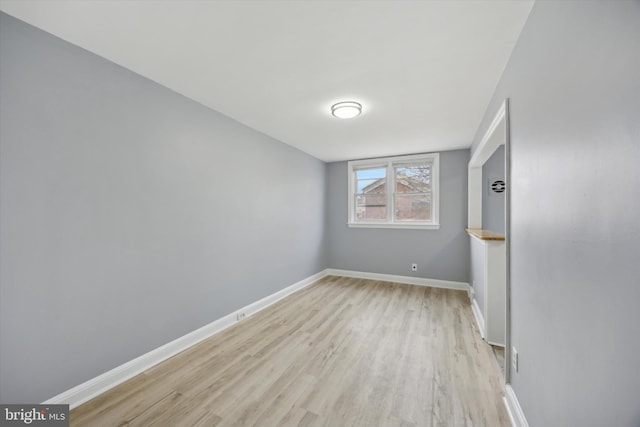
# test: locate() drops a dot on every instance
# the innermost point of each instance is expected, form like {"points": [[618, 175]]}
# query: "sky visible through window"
{"points": [[366, 177]]}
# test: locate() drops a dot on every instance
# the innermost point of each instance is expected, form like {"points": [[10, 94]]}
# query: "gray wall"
{"points": [[493, 215], [574, 87], [131, 215], [440, 254]]}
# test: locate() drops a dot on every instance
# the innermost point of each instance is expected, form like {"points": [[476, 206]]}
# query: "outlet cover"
{"points": [[514, 359]]}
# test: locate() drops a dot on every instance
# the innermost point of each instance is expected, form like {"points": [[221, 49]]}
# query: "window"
{"points": [[394, 192]]}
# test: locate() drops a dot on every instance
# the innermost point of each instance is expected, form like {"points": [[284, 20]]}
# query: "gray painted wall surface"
{"points": [[131, 215], [440, 254], [574, 87], [493, 215]]}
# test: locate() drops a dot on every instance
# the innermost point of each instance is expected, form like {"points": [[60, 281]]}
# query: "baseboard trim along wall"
{"points": [[478, 315], [419, 281], [513, 408], [100, 384]]}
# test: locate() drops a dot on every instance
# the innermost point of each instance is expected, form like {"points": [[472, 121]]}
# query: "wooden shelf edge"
{"points": [[483, 234]]}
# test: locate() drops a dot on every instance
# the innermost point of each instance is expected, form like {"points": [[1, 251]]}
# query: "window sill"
{"points": [[386, 225]]}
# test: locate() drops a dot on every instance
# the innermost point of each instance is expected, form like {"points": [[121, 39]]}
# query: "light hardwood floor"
{"points": [[342, 352], [498, 353]]}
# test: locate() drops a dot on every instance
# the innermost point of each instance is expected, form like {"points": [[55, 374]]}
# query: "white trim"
{"points": [[434, 283], [98, 385], [478, 315], [495, 136], [516, 415], [389, 163], [419, 225], [488, 144], [471, 293], [491, 255], [265, 302]]}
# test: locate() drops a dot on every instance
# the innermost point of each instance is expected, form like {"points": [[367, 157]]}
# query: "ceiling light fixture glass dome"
{"points": [[346, 109]]}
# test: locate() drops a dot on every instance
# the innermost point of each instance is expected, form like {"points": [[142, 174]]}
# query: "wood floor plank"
{"points": [[342, 352]]}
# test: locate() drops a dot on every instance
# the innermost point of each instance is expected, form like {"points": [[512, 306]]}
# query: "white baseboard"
{"points": [[478, 315], [98, 385], [434, 283], [513, 408]]}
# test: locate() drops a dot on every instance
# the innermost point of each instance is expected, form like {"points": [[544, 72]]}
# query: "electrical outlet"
{"points": [[240, 315], [414, 267], [514, 359]]}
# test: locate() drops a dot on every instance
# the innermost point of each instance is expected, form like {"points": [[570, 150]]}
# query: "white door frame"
{"points": [[497, 134]]}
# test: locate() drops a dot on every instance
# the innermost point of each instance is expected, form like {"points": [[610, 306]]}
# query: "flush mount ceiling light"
{"points": [[346, 110]]}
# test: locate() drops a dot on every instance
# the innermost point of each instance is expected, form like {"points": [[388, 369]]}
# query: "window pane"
{"points": [[371, 197], [413, 179], [371, 180], [413, 207], [394, 192], [371, 207]]}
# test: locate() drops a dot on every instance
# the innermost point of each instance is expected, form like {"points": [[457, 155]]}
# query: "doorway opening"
{"points": [[488, 226]]}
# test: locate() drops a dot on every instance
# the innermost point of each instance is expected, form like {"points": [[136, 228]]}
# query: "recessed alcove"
{"points": [[488, 227]]}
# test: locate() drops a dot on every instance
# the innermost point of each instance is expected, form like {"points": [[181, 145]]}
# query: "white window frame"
{"points": [[389, 163]]}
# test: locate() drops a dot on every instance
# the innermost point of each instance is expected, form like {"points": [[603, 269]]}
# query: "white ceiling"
{"points": [[423, 70]]}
